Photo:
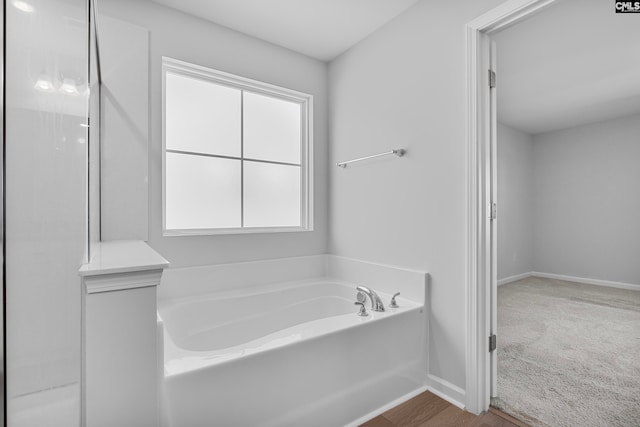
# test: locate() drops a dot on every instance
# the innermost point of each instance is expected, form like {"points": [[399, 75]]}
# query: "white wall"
{"points": [[187, 38], [124, 133], [587, 201], [515, 202], [46, 204], [404, 86]]}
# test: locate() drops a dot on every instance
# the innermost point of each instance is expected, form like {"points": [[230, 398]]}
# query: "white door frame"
{"points": [[478, 32]]}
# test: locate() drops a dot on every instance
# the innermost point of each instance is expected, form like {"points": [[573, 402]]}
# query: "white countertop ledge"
{"points": [[122, 256]]}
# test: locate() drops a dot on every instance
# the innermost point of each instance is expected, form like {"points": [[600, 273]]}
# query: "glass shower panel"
{"points": [[3, 402], [46, 208], [94, 146]]}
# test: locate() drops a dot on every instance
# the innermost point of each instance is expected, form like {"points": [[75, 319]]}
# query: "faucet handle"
{"points": [[393, 303], [363, 310]]}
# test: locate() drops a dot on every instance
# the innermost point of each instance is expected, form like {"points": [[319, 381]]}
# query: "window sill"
{"points": [[231, 231]]}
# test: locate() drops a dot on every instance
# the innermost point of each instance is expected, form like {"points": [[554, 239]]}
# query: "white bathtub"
{"points": [[286, 355]]}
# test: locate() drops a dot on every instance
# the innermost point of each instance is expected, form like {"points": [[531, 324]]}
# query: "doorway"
{"points": [[479, 191], [482, 289]]}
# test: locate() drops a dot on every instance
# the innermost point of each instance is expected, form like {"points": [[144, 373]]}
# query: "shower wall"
{"points": [[46, 207]]}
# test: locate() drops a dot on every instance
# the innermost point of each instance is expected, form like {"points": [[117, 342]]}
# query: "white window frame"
{"points": [[306, 149]]}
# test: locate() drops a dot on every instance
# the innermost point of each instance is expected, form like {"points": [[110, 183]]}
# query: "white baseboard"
{"points": [[598, 282], [514, 278], [387, 406], [449, 392]]}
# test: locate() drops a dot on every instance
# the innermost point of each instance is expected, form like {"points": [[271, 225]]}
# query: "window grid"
{"points": [[221, 156], [241, 158], [302, 100]]}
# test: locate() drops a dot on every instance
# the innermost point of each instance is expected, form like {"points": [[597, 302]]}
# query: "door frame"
{"points": [[479, 181]]}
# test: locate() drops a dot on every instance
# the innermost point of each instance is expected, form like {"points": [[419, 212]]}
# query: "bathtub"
{"points": [[291, 354]]}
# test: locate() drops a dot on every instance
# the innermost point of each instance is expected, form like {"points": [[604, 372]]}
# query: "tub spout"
{"points": [[376, 302]]}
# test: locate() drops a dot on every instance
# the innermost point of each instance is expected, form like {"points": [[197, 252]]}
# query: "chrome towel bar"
{"points": [[398, 152]]}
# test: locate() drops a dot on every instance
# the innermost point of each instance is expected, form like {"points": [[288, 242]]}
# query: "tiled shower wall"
{"points": [[46, 204]]}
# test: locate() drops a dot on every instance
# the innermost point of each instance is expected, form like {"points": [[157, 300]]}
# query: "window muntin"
{"points": [[237, 154]]}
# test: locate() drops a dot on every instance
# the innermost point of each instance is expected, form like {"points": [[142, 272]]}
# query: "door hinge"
{"points": [[492, 342], [493, 211], [492, 79]]}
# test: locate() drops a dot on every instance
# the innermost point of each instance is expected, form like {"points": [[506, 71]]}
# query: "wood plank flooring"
{"points": [[429, 410]]}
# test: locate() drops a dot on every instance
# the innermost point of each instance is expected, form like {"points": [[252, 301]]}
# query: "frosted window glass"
{"points": [[271, 195], [202, 192], [201, 116], [271, 128]]}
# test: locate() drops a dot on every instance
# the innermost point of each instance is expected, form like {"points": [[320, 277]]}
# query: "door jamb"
{"points": [[478, 298]]}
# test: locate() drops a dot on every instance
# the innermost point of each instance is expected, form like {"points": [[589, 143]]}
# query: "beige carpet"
{"points": [[568, 354]]}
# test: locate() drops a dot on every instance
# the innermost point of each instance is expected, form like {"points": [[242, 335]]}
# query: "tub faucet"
{"points": [[376, 302]]}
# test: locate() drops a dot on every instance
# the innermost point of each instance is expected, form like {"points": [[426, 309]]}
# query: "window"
{"points": [[236, 156]]}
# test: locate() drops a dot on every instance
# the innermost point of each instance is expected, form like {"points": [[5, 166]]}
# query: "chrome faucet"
{"points": [[376, 302]]}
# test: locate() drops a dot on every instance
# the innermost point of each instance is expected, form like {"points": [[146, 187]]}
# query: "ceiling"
{"points": [[576, 62], [322, 29]]}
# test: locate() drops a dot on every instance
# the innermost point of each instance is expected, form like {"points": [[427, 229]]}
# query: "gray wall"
{"points": [[587, 201], [569, 201], [515, 202], [404, 87], [124, 130], [190, 39]]}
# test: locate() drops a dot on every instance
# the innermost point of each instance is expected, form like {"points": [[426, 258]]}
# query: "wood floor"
{"points": [[429, 410]]}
